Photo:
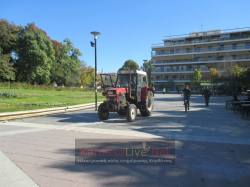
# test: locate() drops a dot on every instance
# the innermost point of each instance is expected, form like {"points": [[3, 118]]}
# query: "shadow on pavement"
{"points": [[197, 164], [86, 117], [120, 174]]}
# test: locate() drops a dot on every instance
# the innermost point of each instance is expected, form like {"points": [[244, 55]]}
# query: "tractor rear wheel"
{"points": [[103, 111], [147, 106], [132, 112]]}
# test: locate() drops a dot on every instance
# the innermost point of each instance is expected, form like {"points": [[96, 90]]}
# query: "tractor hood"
{"points": [[116, 91]]}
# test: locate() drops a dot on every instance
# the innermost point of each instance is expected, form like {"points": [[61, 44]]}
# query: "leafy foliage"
{"points": [[36, 55], [36, 58], [7, 72], [237, 71], [8, 36], [87, 76], [197, 75], [237, 81], [148, 67], [8, 41], [245, 77], [66, 68], [214, 73], [130, 64]]}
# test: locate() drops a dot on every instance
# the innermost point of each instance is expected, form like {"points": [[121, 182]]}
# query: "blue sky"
{"points": [[128, 27]]}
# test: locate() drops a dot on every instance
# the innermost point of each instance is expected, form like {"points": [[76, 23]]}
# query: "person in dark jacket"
{"points": [[206, 93]]}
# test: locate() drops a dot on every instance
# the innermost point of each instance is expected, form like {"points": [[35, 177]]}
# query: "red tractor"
{"points": [[126, 94]]}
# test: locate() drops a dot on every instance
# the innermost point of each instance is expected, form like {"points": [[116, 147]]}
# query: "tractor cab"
{"points": [[133, 80], [108, 80], [124, 78]]}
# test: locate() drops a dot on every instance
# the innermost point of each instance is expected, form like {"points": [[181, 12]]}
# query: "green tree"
{"points": [[234, 81], [87, 75], [214, 74], [197, 75], [237, 71], [58, 69], [8, 36], [7, 72], [66, 68], [245, 77], [36, 55], [8, 45], [130, 65], [148, 67]]}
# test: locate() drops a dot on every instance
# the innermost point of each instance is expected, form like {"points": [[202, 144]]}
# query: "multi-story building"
{"points": [[176, 59]]}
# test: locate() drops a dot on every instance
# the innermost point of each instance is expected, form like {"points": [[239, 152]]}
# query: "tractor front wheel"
{"points": [[132, 112], [103, 111]]}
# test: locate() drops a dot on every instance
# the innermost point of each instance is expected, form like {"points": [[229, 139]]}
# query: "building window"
{"points": [[197, 49], [168, 43], [197, 59], [221, 47], [224, 36], [165, 68], [234, 46], [247, 45], [157, 69], [220, 57], [209, 58]]}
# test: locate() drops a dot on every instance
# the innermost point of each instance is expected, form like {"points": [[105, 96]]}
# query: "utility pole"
{"points": [[95, 34]]}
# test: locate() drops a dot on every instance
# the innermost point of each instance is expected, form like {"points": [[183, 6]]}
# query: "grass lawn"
{"points": [[18, 99]]}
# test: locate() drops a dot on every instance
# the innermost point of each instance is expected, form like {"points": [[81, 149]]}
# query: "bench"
{"points": [[235, 105], [245, 109]]}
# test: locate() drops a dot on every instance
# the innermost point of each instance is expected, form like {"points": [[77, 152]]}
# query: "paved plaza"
{"points": [[212, 147]]}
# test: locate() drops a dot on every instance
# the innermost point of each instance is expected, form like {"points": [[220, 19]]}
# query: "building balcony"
{"points": [[178, 72], [175, 81], [202, 51], [200, 42], [211, 61]]}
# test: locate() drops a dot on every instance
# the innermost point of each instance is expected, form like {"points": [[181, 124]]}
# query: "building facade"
{"points": [[175, 61]]}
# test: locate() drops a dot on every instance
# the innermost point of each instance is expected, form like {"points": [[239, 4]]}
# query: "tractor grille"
{"points": [[112, 103], [111, 92]]}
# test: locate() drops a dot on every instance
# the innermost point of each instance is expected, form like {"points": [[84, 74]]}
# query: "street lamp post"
{"points": [[95, 34]]}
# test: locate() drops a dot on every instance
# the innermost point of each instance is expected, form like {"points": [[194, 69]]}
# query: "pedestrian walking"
{"points": [[186, 96], [206, 93]]}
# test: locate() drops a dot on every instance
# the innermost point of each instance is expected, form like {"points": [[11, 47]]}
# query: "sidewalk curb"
{"points": [[13, 175], [41, 112]]}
